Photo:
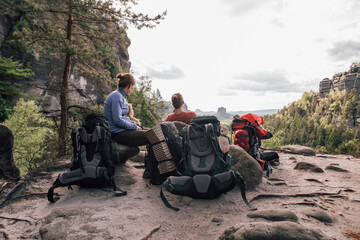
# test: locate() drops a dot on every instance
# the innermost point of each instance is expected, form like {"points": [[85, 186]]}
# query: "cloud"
{"points": [[244, 7], [349, 26], [261, 81], [344, 50], [276, 22], [225, 92], [165, 72]]}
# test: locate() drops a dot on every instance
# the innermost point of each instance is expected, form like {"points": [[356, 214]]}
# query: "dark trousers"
{"points": [[131, 137]]}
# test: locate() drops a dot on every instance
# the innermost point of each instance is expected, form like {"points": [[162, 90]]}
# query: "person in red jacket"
{"points": [[179, 114]]}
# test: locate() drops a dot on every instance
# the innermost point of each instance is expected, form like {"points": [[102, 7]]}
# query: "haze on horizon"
{"points": [[245, 55]]}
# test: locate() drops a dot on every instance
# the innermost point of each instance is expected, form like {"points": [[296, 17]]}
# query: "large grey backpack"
{"points": [[93, 166], [206, 170]]}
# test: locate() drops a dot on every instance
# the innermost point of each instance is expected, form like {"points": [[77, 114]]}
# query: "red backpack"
{"points": [[248, 132], [242, 139]]}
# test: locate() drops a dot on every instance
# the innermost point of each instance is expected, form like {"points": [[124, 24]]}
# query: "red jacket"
{"points": [[184, 117]]}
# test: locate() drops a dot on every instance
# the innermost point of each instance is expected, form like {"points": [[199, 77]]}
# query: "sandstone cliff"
{"points": [[343, 80], [48, 73]]}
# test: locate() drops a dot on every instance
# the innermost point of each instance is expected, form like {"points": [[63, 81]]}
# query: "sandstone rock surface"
{"points": [[298, 149], [246, 165], [308, 166], [275, 230], [320, 215], [96, 214], [274, 215]]}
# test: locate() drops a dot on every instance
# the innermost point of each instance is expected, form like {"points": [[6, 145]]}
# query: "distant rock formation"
{"points": [[221, 111], [343, 80], [171, 109], [204, 113]]}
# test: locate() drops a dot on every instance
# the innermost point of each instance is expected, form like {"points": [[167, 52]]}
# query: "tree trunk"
{"points": [[64, 89], [354, 118]]}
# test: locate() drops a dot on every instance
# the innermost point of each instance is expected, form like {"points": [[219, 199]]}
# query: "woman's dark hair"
{"points": [[125, 80], [177, 100]]}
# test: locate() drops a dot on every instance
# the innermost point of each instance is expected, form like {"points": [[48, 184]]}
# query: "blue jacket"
{"points": [[115, 107]]}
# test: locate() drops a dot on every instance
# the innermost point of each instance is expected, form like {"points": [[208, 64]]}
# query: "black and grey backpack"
{"points": [[206, 169], [92, 166]]}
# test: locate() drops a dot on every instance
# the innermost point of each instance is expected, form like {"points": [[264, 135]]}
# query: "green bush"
{"points": [[148, 105], [351, 147], [35, 140]]}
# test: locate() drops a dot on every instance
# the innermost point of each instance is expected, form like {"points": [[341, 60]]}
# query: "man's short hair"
{"points": [[177, 100]]}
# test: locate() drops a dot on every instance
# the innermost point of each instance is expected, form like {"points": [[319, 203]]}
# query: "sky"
{"points": [[244, 54]]}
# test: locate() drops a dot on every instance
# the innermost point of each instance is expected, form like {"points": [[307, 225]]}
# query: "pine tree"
{"points": [[10, 70], [76, 32], [147, 105]]}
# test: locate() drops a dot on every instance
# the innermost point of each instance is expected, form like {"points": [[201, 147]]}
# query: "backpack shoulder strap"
{"points": [[210, 132], [185, 150], [165, 201], [97, 136], [75, 137], [50, 193], [242, 185], [116, 190]]}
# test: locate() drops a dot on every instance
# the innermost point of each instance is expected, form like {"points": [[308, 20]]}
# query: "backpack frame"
{"points": [[92, 165]]}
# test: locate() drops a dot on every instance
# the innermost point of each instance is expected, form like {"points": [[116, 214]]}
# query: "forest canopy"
{"points": [[328, 125]]}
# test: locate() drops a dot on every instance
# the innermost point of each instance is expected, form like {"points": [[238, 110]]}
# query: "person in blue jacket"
{"points": [[123, 129]]}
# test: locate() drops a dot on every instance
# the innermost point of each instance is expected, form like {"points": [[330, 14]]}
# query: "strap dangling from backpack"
{"points": [[165, 201], [50, 193], [118, 191], [268, 169], [241, 183]]}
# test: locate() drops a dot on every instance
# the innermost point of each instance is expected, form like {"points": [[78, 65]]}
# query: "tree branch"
{"points": [[43, 87], [40, 39], [90, 67], [151, 233], [16, 219], [11, 193]]}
